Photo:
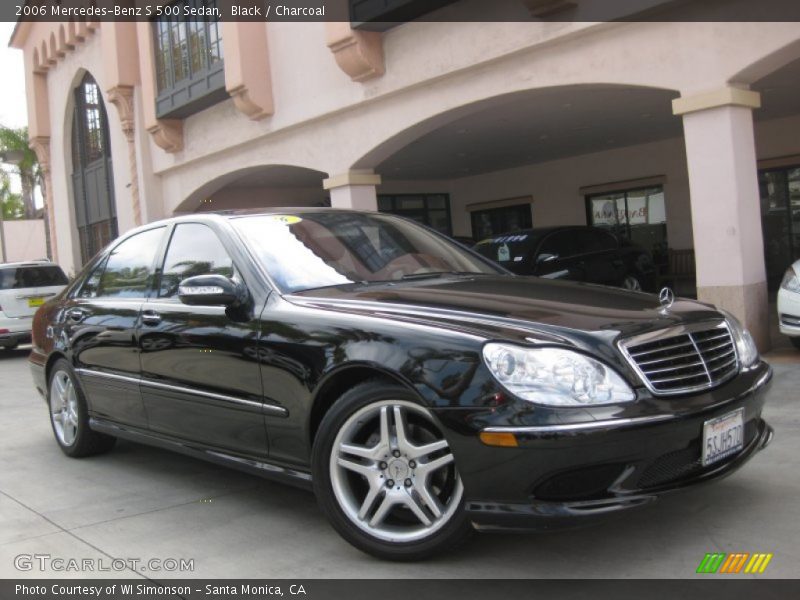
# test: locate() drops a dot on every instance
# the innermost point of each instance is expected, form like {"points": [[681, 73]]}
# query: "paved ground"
{"points": [[138, 502]]}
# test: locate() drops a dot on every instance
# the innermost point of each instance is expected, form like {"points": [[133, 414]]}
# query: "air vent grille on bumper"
{"points": [[693, 359]]}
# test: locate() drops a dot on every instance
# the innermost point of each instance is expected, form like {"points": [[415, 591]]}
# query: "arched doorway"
{"points": [[92, 175]]}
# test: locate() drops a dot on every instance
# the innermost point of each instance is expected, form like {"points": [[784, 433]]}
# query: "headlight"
{"points": [[790, 281], [555, 376], [745, 344]]}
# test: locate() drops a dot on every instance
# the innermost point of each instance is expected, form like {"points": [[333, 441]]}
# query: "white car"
{"points": [[24, 287], [789, 304]]}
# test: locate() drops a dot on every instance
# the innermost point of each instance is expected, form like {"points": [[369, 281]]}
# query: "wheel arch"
{"points": [[337, 382], [48, 367]]}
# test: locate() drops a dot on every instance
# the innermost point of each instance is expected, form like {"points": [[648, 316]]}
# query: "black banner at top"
{"points": [[385, 589], [382, 14]]}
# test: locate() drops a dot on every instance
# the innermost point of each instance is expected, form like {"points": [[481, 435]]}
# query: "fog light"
{"points": [[499, 438]]}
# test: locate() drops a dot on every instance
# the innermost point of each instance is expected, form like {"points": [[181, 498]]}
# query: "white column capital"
{"points": [[352, 178], [724, 96]]}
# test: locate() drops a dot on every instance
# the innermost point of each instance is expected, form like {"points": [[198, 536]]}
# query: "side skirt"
{"points": [[253, 466]]}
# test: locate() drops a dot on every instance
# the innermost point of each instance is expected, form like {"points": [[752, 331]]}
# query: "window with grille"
{"points": [[189, 60], [92, 173]]}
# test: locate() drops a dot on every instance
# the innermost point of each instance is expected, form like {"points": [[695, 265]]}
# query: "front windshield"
{"points": [[321, 249]]}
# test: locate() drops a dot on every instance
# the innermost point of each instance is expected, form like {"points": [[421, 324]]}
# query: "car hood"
{"points": [[530, 308]]}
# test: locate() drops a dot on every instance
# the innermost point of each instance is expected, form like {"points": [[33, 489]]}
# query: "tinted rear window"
{"points": [[14, 278]]}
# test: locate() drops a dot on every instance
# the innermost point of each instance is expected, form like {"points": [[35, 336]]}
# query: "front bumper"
{"points": [[12, 338], [598, 467], [789, 313]]}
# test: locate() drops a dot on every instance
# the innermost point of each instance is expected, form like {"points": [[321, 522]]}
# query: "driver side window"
{"points": [[194, 249]]}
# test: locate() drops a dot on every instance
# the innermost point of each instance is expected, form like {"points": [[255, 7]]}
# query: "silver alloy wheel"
{"points": [[632, 283], [398, 483], [64, 408]]}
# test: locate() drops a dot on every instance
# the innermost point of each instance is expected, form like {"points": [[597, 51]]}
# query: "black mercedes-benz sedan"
{"points": [[420, 389]]}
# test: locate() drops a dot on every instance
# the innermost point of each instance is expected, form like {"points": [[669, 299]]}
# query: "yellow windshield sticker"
{"points": [[286, 219]]}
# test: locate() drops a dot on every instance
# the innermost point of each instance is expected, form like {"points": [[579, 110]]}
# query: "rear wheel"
{"points": [[11, 346], [385, 476], [69, 415]]}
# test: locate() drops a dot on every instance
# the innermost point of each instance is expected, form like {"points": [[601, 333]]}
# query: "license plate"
{"points": [[34, 302], [723, 436]]}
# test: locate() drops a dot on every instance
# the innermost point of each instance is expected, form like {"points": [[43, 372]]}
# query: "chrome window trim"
{"points": [[267, 408], [659, 334]]}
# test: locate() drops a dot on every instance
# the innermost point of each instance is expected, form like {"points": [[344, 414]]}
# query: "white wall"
{"points": [[24, 240]]}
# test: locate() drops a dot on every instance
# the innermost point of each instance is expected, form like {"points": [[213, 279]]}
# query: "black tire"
{"points": [[11, 347], [451, 533], [795, 342], [85, 442]]}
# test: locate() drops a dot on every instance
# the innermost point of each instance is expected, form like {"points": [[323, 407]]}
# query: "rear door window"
{"points": [[33, 276], [129, 269], [561, 244], [594, 240]]}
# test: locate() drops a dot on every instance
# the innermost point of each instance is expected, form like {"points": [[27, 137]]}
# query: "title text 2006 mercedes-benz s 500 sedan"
{"points": [[420, 389]]}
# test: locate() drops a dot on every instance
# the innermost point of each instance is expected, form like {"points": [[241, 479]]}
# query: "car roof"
{"points": [[254, 212], [28, 263], [227, 215]]}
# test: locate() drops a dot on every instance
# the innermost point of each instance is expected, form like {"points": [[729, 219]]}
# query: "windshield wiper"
{"points": [[437, 274]]}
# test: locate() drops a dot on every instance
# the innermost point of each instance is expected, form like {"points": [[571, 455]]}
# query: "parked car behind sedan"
{"points": [[24, 287], [789, 304], [419, 389], [587, 254]]}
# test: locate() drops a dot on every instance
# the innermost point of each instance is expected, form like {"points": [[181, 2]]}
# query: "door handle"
{"points": [[76, 315], [151, 317]]}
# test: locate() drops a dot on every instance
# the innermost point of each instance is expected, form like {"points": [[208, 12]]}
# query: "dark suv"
{"points": [[419, 388], [587, 254]]}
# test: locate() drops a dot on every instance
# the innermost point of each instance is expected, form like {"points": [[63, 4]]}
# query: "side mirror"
{"points": [[545, 258], [211, 290]]}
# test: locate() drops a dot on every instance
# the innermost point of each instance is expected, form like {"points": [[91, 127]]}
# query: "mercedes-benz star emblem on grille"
{"points": [[666, 297]]}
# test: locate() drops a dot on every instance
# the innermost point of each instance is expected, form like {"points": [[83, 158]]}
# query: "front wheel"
{"points": [[795, 342], [385, 476]]}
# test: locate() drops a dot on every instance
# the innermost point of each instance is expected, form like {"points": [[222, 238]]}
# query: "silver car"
{"points": [[789, 304], [24, 287]]}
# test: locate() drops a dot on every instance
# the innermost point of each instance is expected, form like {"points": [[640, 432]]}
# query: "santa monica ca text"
{"points": [[165, 591]]}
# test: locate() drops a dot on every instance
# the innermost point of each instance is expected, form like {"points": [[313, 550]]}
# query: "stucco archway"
{"points": [[256, 187]]}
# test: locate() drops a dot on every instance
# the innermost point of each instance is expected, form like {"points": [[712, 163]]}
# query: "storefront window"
{"points": [[505, 219], [432, 210], [638, 215]]}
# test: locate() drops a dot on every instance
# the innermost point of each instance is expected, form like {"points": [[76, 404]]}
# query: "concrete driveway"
{"points": [[142, 503]]}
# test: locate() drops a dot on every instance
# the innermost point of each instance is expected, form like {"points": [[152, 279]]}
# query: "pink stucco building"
{"points": [[683, 135]]}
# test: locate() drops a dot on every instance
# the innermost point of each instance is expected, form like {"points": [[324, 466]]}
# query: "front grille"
{"points": [[687, 462], [685, 360]]}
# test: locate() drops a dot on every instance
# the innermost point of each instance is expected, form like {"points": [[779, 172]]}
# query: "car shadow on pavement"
{"points": [[692, 517], [20, 352]]}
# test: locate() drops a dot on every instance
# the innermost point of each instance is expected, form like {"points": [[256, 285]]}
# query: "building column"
{"points": [[355, 190], [41, 146], [726, 213]]}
